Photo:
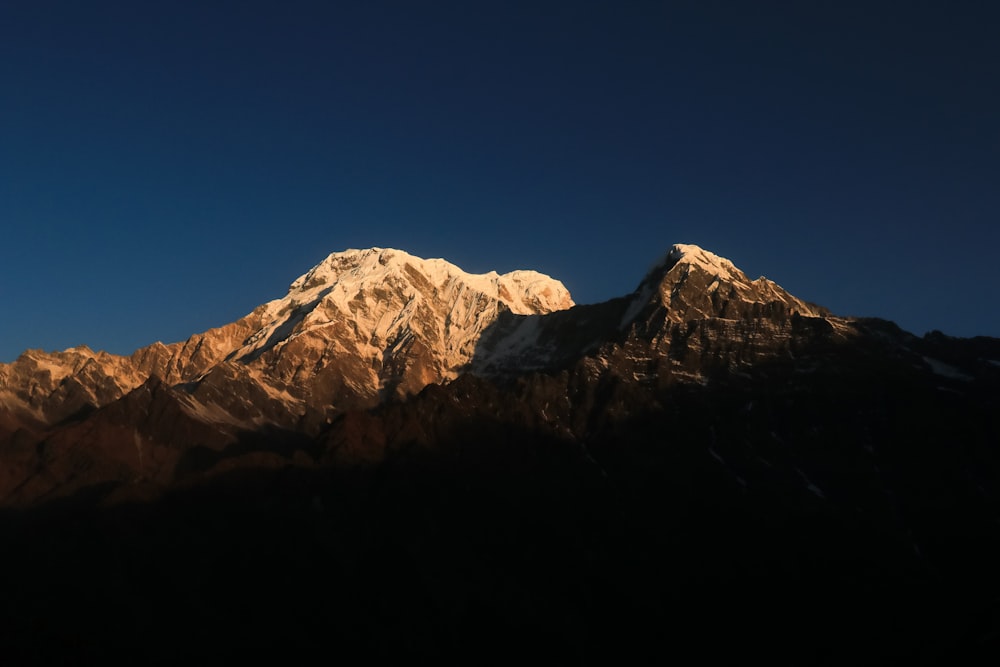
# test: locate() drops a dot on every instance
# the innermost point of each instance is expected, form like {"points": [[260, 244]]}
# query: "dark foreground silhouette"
{"points": [[820, 527]]}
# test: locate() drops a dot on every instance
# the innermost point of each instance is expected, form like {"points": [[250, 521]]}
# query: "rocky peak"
{"points": [[692, 284], [686, 255], [688, 290], [51, 386]]}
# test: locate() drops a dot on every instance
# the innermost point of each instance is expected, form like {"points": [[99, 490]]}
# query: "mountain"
{"points": [[358, 326], [426, 462], [361, 326]]}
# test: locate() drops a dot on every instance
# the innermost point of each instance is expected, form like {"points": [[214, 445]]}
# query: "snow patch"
{"points": [[946, 370], [815, 490], [524, 292], [685, 253], [639, 301], [518, 344]]}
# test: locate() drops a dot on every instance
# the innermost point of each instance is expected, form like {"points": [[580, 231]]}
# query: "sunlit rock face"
{"points": [[364, 325], [696, 315]]}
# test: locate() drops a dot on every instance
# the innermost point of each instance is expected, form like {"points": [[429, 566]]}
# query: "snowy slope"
{"points": [[360, 325]]}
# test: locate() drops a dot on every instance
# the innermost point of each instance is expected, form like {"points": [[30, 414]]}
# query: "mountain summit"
{"points": [[692, 283]]}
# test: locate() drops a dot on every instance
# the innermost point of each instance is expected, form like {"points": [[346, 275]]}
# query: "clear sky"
{"points": [[167, 166]]}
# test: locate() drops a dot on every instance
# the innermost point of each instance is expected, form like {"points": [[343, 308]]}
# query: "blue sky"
{"points": [[167, 166]]}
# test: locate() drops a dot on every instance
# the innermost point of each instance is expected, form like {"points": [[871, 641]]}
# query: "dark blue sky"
{"points": [[167, 166]]}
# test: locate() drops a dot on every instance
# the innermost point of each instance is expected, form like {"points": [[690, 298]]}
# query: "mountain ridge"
{"points": [[368, 328], [424, 471]]}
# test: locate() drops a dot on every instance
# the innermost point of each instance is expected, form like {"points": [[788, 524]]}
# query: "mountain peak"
{"points": [[380, 320], [693, 283], [522, 291], [687, 254]]}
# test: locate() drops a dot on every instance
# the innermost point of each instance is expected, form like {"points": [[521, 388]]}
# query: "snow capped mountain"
{"points": [[364, 325], [355, 271], [368, 327], [688, 284], [704, 436], [686, 253], [387, 300], [361, 325], [691, 282]]}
